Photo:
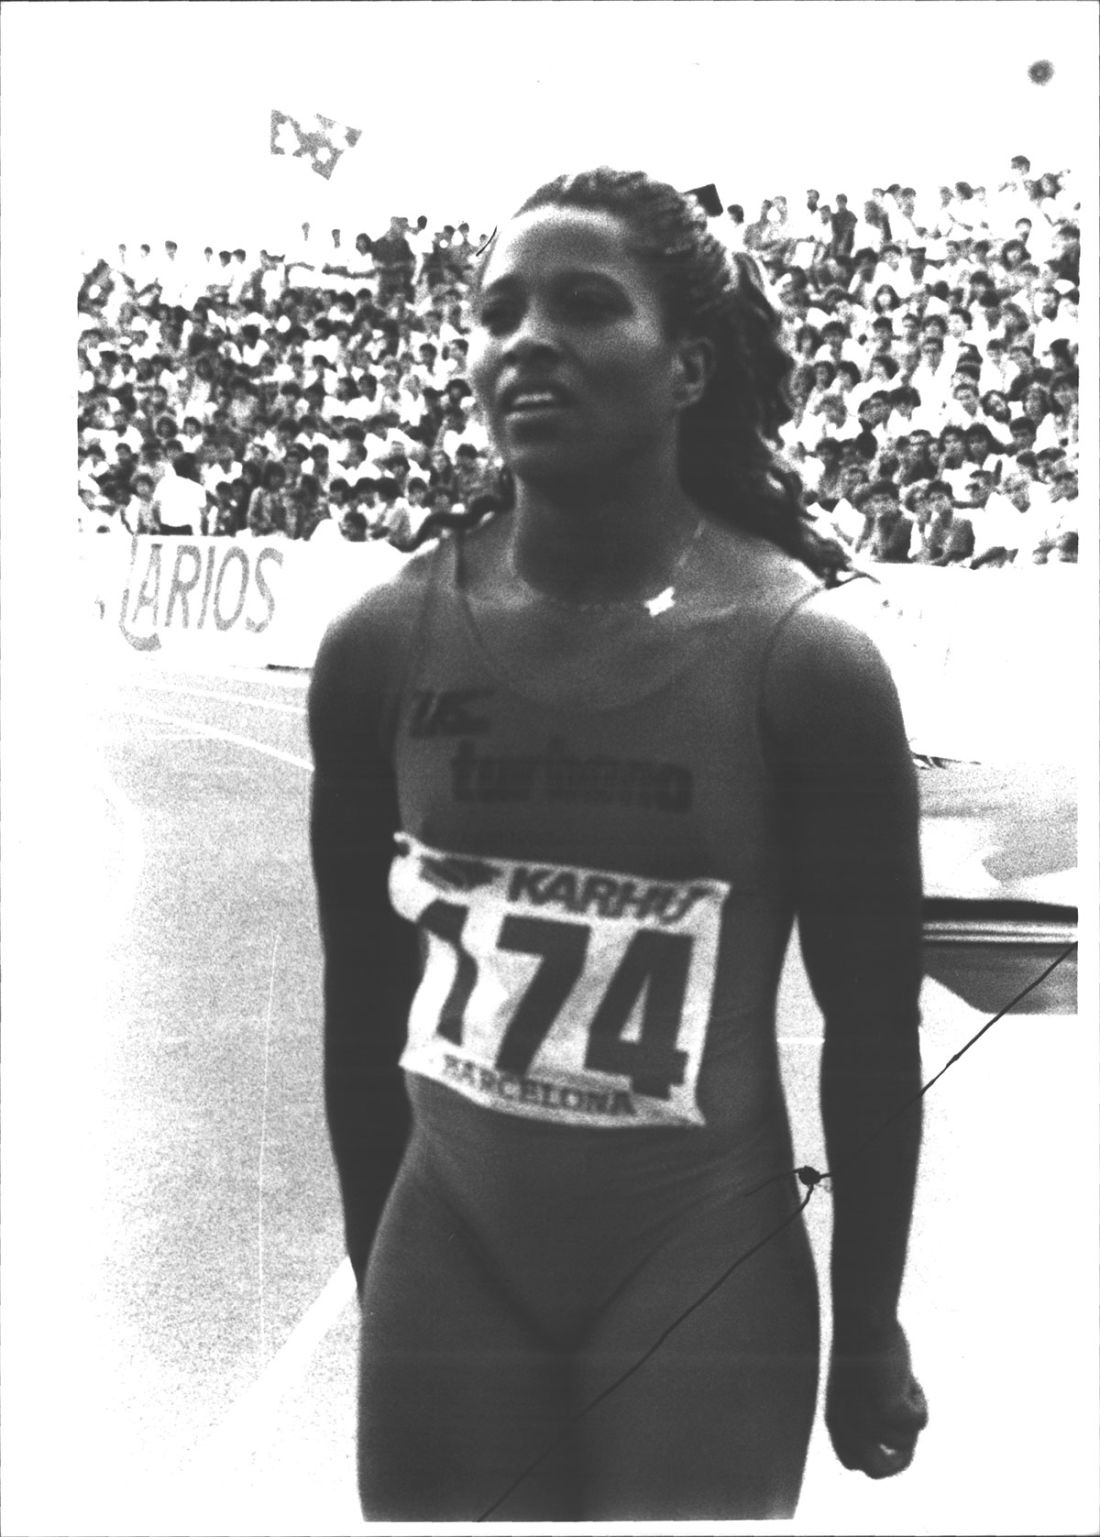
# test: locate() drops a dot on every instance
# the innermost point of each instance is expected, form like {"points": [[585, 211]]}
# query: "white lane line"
{"points": [[293, 1356], [208, 693], [218, 733], [119, 741], [263, 1147], [286, 1365]]}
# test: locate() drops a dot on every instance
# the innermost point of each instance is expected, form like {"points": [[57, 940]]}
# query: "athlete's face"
{"points": [[571, 358]]}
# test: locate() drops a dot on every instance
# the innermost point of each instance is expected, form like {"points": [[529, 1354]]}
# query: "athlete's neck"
{"points": [[602, 542]]}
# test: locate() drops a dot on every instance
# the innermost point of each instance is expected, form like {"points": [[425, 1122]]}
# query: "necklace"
{"points": [[659, 604]]}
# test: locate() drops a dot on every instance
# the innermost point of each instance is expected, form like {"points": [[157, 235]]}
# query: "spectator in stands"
{"points": [[888, 532], [1036, 402], [395, 262], [846, 521], [843, 227], [932, 376], [1022, 432], [945, 537], [953, 467], [180, 500], [267, 513], [226, 517], [140, 514], [301, 497], [915, 454], [221, 464], [994, 282], [353, 526], [1064, 410]]}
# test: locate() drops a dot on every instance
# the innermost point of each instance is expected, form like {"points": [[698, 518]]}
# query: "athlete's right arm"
{"points": [[370, 955]]}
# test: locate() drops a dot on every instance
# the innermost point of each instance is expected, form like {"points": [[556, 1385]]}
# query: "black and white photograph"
{"points": [[579, 1013]]}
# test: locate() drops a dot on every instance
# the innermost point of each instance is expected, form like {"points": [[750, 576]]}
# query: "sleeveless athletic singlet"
{"points": [[600, 890], [597, 874]]}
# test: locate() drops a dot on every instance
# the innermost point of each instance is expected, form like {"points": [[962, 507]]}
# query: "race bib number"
{"points": [[558, 992]]}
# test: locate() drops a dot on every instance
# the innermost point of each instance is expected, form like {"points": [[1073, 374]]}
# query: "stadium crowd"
{"points": [[321, 392]]}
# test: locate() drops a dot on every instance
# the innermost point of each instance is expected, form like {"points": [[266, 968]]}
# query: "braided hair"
{"points": [[728, 457], [728, 439]]}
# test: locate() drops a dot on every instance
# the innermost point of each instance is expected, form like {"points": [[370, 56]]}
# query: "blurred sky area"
{"points": [[151, 120]]}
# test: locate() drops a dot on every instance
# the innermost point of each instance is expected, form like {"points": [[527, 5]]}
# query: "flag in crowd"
{"points": [[320, 140]]}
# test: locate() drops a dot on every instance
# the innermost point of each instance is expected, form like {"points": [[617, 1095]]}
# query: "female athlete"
{"points": [[577, 770]]}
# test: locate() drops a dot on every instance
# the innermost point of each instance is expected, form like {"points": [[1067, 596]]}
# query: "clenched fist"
{"points": [[875, 1408]]}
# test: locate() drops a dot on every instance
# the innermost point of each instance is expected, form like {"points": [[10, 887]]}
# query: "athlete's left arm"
{"points": [[842, 764]]}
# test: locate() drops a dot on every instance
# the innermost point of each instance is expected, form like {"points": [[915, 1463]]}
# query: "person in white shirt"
{"points": [[412, 406], [428, 370], [1027, 518], [995, 522], [273, 279], [376, 441], [1036, 404], [175, 287], [824, 378], [191, 435], [871, 230], [355, 269], [847, 520], [252, 350], [345, 402], [932, 376], [421, 241], [730, 229], [1011, 199], [837, 344], [958, 322], [123, 430], [238, 276], [803, 225], [881, 371], [831, 421], [1052, 325], [222, 465], [357, 470], [963, 409], [327, 534], [180, 499], [981, 450], [463, 426], [145, 338], [894, 272], [873, 413], [954, 470], [124, 372]]}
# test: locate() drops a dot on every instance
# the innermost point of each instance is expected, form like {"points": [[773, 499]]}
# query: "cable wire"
{"points": [[613, 1387], [810, 1178]]}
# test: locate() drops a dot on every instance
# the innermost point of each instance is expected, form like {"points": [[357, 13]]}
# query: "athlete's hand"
{"points": [[875, 1408]]}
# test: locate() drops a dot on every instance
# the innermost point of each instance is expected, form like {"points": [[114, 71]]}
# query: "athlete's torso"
{"points": [[594, 855]]}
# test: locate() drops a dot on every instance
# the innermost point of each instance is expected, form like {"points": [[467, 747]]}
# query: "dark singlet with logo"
{"points": [[593, 855], [599, 890]]}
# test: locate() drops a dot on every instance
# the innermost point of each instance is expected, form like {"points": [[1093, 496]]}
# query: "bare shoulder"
{"points": [[826, 680], [363, 655], [830, 627]]}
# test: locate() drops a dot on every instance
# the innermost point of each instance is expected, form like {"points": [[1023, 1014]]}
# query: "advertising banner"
{"points": [[986, 663], [263, 602]]}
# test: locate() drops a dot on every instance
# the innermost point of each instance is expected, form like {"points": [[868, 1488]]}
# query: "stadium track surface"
{"points": [[209, 1343]]}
